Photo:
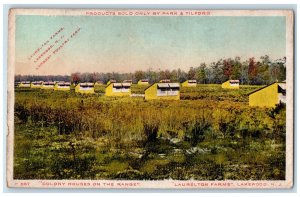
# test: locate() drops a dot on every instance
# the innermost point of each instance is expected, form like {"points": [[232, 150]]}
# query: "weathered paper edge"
{"points": [[10, 97], [288, 183]]}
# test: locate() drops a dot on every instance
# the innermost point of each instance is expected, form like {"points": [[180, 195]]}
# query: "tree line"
{"points": [[251, 71]]}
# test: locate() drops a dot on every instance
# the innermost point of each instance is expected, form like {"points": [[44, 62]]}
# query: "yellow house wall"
{"points": [[47, 88], [142, 83], [267, 97], [109, 91], [185, 84], [109, 82], [228, 86], [62, 89], [151, 93], [34, 86], [56, 87], [77, 89], [21, 85]]}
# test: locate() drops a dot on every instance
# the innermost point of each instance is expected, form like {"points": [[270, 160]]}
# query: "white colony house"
{"points": [[234, 82], [144, 81], [121, 87], [63, 85], [36, 84], [25, 83], [128, 81], [192, 82], [86, 86], [168, 89], [48, 84], [165, 81]]}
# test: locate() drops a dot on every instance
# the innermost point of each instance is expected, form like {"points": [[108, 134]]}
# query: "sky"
{"points": [[126, 44]]}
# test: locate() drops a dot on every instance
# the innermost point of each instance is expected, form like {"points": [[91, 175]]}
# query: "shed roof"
{"points": [[162, 85], [49, 83], [168, 85], [117, 84], [150, 86], [64, 83], [165, 81], [267, 86], [126, 84], [37, 82], [174, 85], [86, 84]]}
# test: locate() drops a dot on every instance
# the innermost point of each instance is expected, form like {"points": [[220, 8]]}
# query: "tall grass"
{"points": [[63, 135]]}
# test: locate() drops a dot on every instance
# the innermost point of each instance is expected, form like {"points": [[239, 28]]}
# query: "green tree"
{"points": [[201, 73], [217, 72], [138, 75], [192, 73], [236, 68]]}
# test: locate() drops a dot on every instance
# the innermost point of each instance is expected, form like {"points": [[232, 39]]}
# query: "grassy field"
{"points": [[210, 134]]}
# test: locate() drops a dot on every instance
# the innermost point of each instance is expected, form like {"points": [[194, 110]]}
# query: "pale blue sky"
{"points": [[126, 44]]}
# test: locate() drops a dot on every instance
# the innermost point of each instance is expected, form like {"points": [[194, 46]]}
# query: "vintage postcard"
{"points": [[172, 99]]}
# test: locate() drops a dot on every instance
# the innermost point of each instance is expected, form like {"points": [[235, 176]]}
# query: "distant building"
{"points": [[143, 82], [62, 86], [268, 96], [231, 84], [165, 81], [36, 84], [189, 83], [118, 89], [85, 88], [99, 83], [111, 81], [24, 84], [163, 91], [128, 81], [49, 85]]}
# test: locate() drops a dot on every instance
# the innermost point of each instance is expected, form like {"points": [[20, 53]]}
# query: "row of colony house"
{"points": [[50, 85], [268, 96], [164, 89]]}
